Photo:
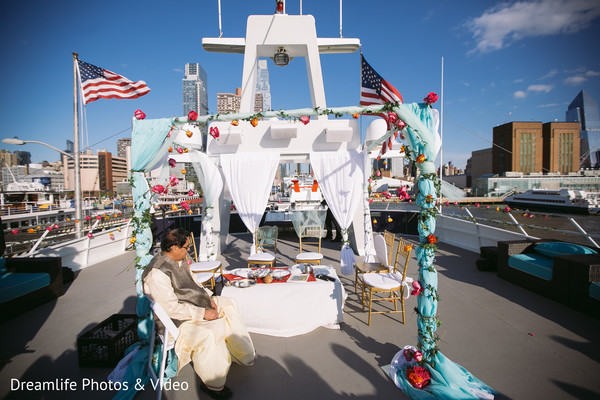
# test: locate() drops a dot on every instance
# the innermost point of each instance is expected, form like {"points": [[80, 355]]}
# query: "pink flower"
{"points": [[185, 205], [418, 377], [193, 115], [173, 180], [172, 163], [112, 237], [401, 125], [305, 119], [56, 226], [392, 117], [477, 205], [14, 231], [189, 262], [431, 98], [158, 189], [49, 228], [378, 173], [180, 150], [418, 356], [191, 193], [507, 209], [370, 200], [139, 114], [88, 217], [402, 136], [408, 354], [214, 132], [417, 289], [98, 217], [90, 235]]}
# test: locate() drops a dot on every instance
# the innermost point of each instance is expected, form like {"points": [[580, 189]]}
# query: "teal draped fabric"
{"points": [[448, 379], [148, 146]]}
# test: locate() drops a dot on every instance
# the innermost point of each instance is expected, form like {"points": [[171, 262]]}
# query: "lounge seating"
{"points": [[561, 271], [26, 283]]}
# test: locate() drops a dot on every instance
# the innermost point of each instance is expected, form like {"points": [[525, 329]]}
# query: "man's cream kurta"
{"points": [[211, 345]]}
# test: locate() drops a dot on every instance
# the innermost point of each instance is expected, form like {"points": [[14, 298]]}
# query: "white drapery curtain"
{"points": [[249, 177], [211, 182], [340, 176]]}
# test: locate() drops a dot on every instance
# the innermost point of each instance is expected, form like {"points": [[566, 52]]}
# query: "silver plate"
{"points": [[280, 273], [244, 283]]}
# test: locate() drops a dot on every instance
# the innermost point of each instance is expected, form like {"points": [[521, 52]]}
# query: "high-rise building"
{"points": [[258, 102], [561, 147], [122, 145], [23, 157], [99, 172], [584, 109], [70, 147], [195, 95], [262, 84], [517, 147], [229, 102]]}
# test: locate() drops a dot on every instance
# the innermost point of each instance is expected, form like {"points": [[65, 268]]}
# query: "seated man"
{"points": [[212, 332]]}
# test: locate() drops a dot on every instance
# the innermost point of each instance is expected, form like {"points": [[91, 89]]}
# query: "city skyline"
{"points": [[527, 69]]}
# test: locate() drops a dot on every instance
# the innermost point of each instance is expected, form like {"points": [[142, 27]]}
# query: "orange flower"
{"points": [[403, 149], [408, 247], [420, 158], [390, 219], [186, 150], [428, 198], [374, 221], [418, 377], [432, 239], [235, 122], [189, 133], [254, 122], [355, 115], [170, 149], [132, 240], [174, 207], [183, 171]]}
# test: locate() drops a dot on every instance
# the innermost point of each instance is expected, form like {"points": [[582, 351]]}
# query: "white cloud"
{"points": [[550, 74], [466, 83], [592, 73], [506, 23], [539, 88], [548, 105], [518, 80], [575, 80], [178, 70], [519, 94]]}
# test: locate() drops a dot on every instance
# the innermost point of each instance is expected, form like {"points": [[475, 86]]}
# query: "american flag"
{"points": [[98, 83], [376, 90]]}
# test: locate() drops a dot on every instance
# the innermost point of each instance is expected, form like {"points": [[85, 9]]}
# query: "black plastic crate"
{"points": [[104, 345]]}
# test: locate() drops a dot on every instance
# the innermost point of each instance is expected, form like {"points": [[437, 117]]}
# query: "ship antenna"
{"points": [[220, 30]]}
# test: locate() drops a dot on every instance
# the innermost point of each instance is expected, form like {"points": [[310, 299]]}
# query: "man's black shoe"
{"points": [[224, 393]]}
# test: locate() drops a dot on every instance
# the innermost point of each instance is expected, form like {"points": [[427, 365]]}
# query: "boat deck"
{"points": [[522, 345]]}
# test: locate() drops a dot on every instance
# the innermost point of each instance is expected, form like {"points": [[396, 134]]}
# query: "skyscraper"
{"points": [[229, 102], [195, 96], [262, 84], [584, 109]]}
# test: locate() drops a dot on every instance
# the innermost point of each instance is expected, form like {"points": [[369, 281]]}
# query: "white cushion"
{"points": [[204, 266], [202, 277], [384, 281], [261, 257], [309, 256]]}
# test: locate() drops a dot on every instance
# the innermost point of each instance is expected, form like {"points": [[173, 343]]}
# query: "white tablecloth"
{"points": [[290, 309]]}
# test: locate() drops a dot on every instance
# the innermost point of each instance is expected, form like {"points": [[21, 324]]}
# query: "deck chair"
{"points": [[266, 246], [390, 283], [207, 273], [168, 338], [310, 245]]}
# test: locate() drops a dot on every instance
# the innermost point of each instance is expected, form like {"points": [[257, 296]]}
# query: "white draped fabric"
{"points": [[340, 176], [249, 177], [369, 250], [211, 182]]}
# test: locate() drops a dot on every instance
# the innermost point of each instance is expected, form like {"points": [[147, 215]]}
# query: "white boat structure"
{"points": [[483, 311], [563, 200]]}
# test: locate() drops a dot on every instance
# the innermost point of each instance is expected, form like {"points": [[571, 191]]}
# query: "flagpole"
{"points": [[441, 134], [76, 171]]}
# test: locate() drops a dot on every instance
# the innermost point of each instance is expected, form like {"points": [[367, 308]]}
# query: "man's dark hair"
{"points": [[175, 237]]}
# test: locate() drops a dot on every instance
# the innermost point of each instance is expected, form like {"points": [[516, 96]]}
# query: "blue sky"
{"points": [[503, 61]]}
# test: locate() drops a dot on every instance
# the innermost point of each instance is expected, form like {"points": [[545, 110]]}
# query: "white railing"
{"points": [[81, 253]]}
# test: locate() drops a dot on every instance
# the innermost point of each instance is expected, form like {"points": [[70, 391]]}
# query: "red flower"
{"points": [[418, 377], [254, 122], [418, 356], [193, 115], [214, 132], [191, 193], [139, 114], [98, 217], [420, 158], [431, 98], [305, 119], [189, 133], [158, 189], [88, 218], [14, 231], [507, 209], [185, 205], [432, 239], [392, 117], [417, 288], [172, 162], [180, 150], [401, 125], [355, 115]]}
